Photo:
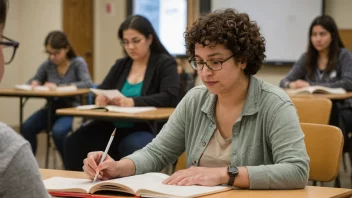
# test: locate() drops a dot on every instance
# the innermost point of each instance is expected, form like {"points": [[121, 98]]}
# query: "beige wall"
{"points": [[28, 22], [107, 48], [341, 11]]}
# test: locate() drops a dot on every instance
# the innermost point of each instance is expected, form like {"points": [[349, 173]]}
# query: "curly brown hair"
{"points": [[234, 30]]}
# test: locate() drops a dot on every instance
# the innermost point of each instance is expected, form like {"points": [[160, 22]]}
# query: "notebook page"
{"points": [[61, 183]]}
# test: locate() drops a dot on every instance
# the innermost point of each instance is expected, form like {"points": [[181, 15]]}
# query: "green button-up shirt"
{"points": [[266, 138]]}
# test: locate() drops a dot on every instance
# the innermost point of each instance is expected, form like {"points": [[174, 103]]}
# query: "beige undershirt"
{"points": [[217, 153]]}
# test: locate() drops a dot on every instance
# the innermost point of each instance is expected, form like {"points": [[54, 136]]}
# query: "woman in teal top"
{"points": [[129, 90], [147, 76], [235, 130]]}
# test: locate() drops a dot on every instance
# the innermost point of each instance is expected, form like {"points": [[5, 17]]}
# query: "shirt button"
{"points": [[194, 162], [235, 134], [203, 143]]}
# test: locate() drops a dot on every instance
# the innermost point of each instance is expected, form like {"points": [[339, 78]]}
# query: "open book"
{"points": [[145, 185], [108, 93], [114, 108], [44, 88], [317, 90]]}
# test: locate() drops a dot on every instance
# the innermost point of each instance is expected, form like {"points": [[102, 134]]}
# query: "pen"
{"points": [[105, 152]]}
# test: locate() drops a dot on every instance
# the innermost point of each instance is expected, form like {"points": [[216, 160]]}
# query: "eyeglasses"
{"points": [[9, 48], [214, 65], [54, 53], [133, 42]]}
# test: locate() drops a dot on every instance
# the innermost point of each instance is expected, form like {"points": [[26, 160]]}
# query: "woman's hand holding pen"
{"points": [[107, 169], [123, 101], [101, 100]]}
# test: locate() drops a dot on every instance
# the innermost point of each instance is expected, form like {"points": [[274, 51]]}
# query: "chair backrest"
{"points": [[313, 110], [324, 145]]}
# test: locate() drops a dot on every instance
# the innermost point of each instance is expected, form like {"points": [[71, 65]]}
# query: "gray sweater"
{"points": [[19, 171], [76, 74], [341, 77], [266, 138]]}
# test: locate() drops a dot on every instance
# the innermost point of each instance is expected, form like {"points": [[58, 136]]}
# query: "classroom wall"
{"points": [[30, 21], [107, 48]]}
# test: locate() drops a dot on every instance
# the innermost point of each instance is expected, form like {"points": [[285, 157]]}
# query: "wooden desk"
{"points": [[308, 192], [49, 96], [149, 117], [328, 96]]}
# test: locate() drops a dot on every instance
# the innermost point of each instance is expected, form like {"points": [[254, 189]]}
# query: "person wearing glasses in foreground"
{"points": [[19, 170], [147, 76], [236, 130]]}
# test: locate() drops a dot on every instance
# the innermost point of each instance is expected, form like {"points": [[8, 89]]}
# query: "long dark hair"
{"points": [[3, 11], [143, 26], [311, 58], [58, 40]]}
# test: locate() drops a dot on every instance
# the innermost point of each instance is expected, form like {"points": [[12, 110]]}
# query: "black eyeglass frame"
{"points": [[10, 43], [205, 63]]}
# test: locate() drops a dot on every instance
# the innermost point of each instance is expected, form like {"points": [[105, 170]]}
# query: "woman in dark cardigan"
{"points": [[147, 76]]}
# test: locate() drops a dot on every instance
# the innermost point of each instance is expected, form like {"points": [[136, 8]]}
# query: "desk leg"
{"points": [[48, 129], [153, 126], [21, 114]]}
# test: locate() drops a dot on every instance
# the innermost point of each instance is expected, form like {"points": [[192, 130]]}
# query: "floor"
{"points": [[344, 175]]}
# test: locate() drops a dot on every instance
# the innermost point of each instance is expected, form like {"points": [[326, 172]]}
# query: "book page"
{"points": [[90, 107], [113, 108], [29, 88], [68, 184], [66, 88], [326, 90], [153, 186], [108, 93]]}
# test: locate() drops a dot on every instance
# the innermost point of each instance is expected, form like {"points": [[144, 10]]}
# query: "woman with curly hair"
{"points": [[235, 130]]}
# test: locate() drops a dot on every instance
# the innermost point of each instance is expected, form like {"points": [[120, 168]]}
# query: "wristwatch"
{"points": [[232, 171]]}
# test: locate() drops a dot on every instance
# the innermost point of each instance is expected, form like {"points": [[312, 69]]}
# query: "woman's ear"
{"points": [[150, 39]]}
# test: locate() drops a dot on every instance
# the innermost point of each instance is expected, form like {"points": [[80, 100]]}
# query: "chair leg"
{"points": [[344, 163], [314, 183], [337, 182]]}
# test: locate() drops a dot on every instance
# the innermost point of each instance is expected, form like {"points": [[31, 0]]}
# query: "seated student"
{"points": [[19, 170], [61, 68], [147, 76], [236, 130], [326, 63]]}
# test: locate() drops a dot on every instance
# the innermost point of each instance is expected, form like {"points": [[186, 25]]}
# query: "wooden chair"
{"points": [[324, 145], [313, 110], [181, 162]]}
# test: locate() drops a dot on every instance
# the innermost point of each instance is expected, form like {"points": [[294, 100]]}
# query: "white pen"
{"points": [[105, 153]]}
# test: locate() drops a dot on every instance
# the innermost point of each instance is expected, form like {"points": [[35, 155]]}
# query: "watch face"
{"points": [[233, 170]]}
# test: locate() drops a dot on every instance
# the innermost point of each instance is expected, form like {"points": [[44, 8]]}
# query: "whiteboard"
{"points": [[284, 23], [169, 20]]}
